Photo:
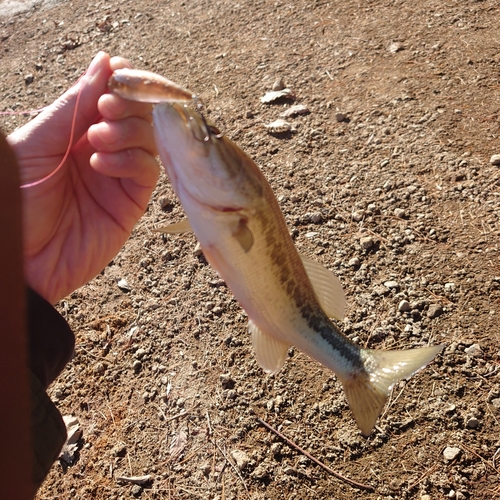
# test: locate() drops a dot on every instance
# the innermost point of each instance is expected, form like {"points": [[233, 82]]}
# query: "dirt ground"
{"points": [[397, 197]]}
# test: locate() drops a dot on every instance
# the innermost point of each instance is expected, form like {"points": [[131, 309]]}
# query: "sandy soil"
{"points": [[164, 382]]}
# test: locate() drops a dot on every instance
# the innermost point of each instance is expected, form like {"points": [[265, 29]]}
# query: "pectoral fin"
{"points": [[270, 352], [327, 287], [176, 228], [243, 234]]}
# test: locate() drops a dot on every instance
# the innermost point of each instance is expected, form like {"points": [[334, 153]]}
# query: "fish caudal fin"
{"points": [[367, 391]]}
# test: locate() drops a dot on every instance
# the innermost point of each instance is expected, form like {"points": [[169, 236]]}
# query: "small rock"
{"points": [[341, 117], [434, 311], [140, 353], [425, 497], [358, 215], [495, 160], [474, 350], [227, 381], [496, 403], [472, 423], [29, 78], [289, 470], [449, 287], [391, 284], [123, 285], [278, 84], [197, 250], [275, 95], [354, 262], [164, 202], [400, 212], [241, 458], [299, 109], [249, 114], [260, 472], [316, 218], [366, 242], [137, 365], [404, 306], [279, 126], [136, 490], [450, 453], [395, 47]]}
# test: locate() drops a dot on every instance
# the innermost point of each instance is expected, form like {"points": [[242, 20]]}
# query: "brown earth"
{"points": [[163, 381]]}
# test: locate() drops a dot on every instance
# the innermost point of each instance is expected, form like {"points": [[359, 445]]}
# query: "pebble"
{"points": [[241, 458], [140, 353], [278, 84], [391, 284], [495, 160], [136, 490], [299, 109], [29, 78], [400, 212], [197, 250], [123, 285], [450, 453], [434, 311], [340, 117], [404, 306], [472, 423], [366, 242], [496, 403], [474, 350], [316, 218], [449, 287], [279, 126], [354, 262], [137, 365], [358, 215]]}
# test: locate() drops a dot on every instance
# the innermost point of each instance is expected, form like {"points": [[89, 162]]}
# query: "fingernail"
{"points": [[95, 63]]}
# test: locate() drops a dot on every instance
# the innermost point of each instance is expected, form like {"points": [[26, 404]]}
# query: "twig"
{"points": [[470, 450], [430, 470], [494, 457], [315, 460], [209, 426], [233, 466], [178, 415]]}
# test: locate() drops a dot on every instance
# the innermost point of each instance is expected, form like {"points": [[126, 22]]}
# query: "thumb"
{"points": [[86, 92], [50, 130]]}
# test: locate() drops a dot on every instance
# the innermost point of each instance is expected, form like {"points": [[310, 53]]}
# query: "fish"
{"points": [[146, 86], [289, 298]]}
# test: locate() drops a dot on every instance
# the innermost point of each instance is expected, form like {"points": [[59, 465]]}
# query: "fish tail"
{"points": [[367, 390]]}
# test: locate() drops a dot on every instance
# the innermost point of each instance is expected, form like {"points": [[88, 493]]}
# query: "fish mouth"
{"points": [[195, 121]]}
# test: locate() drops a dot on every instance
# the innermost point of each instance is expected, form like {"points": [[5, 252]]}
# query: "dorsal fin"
{"points": [[327, 287]]}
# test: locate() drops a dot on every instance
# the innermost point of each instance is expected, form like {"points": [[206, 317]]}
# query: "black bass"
{"points": [[288, 298]]}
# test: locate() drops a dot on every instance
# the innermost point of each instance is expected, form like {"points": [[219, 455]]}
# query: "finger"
{"points": [[133, 164], [118, 62], [114, 107], [111, 137]]}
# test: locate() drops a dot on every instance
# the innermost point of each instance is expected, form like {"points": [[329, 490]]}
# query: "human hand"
{"points": [[76, 221]]}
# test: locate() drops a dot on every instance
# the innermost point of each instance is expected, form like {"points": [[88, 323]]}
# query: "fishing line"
{"points": [[71, 134]]}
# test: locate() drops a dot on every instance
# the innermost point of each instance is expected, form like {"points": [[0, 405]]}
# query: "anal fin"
{"points": [[270, 353]]}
